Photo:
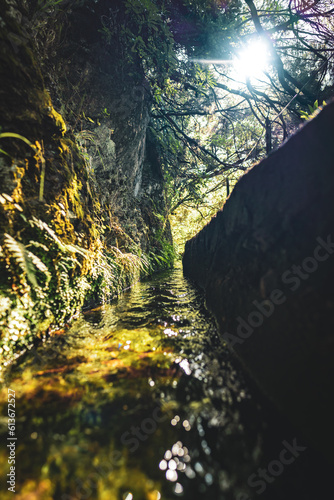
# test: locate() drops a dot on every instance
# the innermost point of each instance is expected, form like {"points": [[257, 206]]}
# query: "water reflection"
{"points": [[139, 400]]}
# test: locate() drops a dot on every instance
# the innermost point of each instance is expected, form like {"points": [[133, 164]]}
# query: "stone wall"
{"points": [[266, 263]]}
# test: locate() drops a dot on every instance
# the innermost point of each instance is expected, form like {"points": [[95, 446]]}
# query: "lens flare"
{"points": [[253, 60]]}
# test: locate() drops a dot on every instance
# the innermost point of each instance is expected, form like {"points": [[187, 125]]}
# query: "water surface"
{"points": [[140, 400]]}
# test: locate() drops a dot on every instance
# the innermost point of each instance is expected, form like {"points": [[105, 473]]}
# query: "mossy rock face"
{"points": [[41, 280], [82, 208], [100, 87]]}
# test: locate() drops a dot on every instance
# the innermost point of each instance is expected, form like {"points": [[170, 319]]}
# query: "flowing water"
{"points": [[139, 400]]}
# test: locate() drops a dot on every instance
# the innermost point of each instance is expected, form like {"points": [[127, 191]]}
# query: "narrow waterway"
{"points": [[139, 400]]}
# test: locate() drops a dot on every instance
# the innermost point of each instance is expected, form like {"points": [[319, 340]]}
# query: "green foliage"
{"points": [[49, 285], [162, 252], [313, 110], [163, 256], [207, 125], [138, 32], [58, 250], [191, 216], [208, 120], [113, 270], [26, 260]]}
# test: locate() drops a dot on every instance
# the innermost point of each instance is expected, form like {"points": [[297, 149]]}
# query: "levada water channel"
{"points": [[140, 400]]}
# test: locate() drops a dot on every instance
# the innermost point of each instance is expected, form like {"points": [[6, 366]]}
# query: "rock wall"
{"points": [[99, 86], [82, 201], [266, 263]]}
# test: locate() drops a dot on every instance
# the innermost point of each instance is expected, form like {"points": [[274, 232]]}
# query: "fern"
{"points": [[77, 249], [45, 228], [22, 257], [63, 247], [40, 266], [27, 261], [37, 244], [130, 262]]}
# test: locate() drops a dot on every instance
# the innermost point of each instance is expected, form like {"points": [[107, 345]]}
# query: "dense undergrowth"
{"points": [[45, 280]]}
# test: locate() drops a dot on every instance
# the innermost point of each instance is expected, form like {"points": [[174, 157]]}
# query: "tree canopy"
{"points": [[212, 114], [212, 120]]}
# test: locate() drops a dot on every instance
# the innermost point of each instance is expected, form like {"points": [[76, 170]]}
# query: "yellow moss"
{"points": [[46, 105], [44, 325], [64, 146], [62, 225], [18, 175], [73, 194], [58, 119]]}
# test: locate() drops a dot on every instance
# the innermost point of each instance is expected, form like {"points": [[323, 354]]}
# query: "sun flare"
{"points": [[253, 60]]}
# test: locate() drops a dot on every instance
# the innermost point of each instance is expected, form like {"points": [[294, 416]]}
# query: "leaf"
{"points": [[7, 197], [21, 256], [63, 247], [37, 244], [40, 266], [44, 227], [15, 136], [77, 249]]}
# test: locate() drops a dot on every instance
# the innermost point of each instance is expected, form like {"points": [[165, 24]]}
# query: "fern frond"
{"points": [[63, 247], [40, 266], [129, 262], [37, 244], [77, 249], [44, 227], [26, 260], [21, 256]]}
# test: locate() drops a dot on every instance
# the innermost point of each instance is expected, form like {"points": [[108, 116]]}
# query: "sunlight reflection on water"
{"points": [[144, 379]]}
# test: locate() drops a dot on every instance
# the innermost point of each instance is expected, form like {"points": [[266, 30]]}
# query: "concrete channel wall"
{"points": [[266, 263]]}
